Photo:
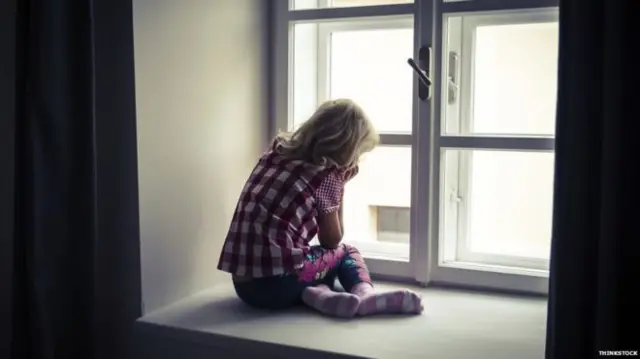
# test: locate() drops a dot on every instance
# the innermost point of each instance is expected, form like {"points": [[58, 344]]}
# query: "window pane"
{"points": [[377, 201], [345, 60], [305, 72], [504, 201], [370, 67], [316, 4], [508, 77]]}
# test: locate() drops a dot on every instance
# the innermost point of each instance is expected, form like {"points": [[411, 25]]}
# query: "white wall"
{"points": [[202, 119]]}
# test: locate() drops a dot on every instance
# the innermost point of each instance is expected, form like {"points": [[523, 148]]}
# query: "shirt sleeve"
{"points": [[329, 193]]}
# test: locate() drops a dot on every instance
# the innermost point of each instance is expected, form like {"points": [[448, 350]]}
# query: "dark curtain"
{"points": [[595, 257], [70, 264], [7, 166]]}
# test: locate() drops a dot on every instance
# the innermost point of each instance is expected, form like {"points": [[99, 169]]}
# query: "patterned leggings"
{"points": [[322, 266]]}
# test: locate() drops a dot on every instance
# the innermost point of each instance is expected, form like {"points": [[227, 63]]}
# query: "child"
{"points": [[295, 192]]}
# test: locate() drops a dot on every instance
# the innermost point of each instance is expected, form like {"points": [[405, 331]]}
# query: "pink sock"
{"points": [[393, 302], [337, 304]]}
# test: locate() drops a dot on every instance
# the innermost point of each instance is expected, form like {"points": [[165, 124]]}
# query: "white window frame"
{"points": [[428, 262], [326, 29], [383, 258], [452, 262], [371, 249], [467, 47]]}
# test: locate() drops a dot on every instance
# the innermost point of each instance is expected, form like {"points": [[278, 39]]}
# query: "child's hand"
{"points": [[350, 173]]}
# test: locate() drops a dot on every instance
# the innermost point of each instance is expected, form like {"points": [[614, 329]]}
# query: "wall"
{"points": [[202, 122]]}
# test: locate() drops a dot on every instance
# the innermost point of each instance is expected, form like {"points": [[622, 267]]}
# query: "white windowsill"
{"points": [[455, 325]]}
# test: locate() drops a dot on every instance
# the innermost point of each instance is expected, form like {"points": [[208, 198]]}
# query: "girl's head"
{"points": [[336, 135]]}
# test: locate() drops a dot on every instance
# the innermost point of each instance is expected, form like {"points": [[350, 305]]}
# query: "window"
{"points": [[324, 67], [368, 216], [498, 122], [460, 190]]}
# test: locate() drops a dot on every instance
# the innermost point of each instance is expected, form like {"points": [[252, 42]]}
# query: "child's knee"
{"points": [[350, 249]]}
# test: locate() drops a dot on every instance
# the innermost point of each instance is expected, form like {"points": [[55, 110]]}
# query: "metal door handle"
{"points": [[423, 72]]}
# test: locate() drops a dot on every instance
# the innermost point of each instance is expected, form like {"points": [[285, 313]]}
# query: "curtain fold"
{"points": [[74, 271], [8, 64], [595, 257]]}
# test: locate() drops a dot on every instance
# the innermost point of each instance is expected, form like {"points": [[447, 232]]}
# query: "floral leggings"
{"points": [[321, 266]]}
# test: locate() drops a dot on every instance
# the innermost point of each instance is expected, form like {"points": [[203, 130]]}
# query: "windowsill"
{"points": [[455, 324], [495, 268]]}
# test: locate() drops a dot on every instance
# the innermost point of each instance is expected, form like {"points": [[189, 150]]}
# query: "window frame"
{"points": [[427, 264], [373, 250], [389, 264], [446, 266], [325, 31], [466, 47]]}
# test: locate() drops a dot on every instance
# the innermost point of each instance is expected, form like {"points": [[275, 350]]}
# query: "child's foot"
{"points": [[394, 302], [323, 299]]}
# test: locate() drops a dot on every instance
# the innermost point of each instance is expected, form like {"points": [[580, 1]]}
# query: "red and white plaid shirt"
{"points": [[275, 218]]}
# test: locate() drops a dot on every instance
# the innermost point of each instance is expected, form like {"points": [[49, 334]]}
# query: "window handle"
{"points": [[423, 72], [453, 80], [455, 197]]}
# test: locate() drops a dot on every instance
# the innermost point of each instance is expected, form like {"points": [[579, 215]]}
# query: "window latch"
{"points": [[452, 85], [423, 70], [454, 196]]}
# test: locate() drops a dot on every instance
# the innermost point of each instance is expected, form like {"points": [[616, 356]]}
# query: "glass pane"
{"points": [[504, 201], [508, 78], [317, 4], [377, 201], [305, 71], [370, 67]]}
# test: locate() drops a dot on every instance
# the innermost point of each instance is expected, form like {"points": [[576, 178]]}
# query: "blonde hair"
{"points": [[336, 135]]}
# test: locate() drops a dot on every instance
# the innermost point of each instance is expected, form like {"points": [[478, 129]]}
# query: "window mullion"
{"points": [[449, 6], [497, 143], [351, 12]]}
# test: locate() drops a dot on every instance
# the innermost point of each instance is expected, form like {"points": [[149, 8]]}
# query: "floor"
{"points": [[455, 325]]}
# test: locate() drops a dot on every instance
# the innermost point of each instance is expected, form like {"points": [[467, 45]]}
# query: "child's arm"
{"points": [[331, 223], [341, 214], [348, 175], [330, 229]]}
